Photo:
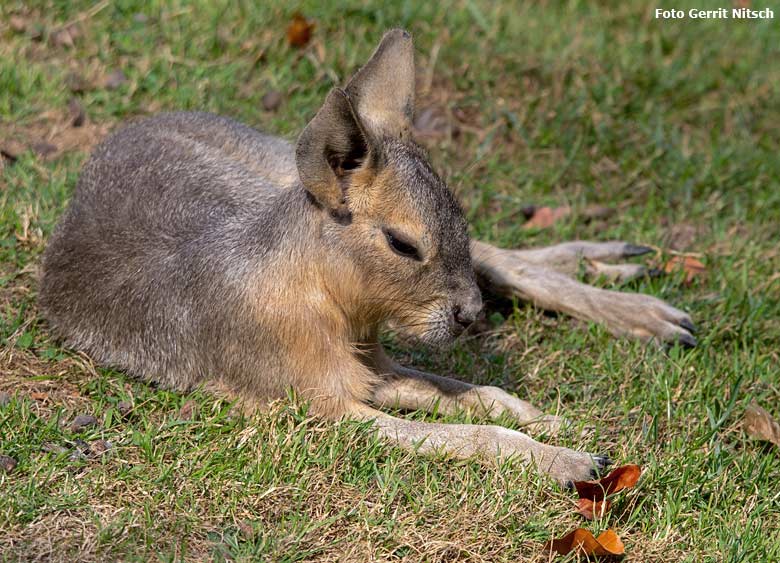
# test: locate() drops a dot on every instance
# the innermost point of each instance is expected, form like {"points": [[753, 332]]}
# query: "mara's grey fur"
{"points": [[199, 252]]}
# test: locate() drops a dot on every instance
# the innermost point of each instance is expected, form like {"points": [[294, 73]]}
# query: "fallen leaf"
{"points": [[692, 267], [582, 542], [82, 422], [591, 510], [546, 217], [621, 478], [38, 396], [299, 31], [760, 424], [271, 100]]}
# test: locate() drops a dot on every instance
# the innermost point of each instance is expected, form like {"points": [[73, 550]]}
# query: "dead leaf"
{"points": [[692, 267], [38, 396], [82, 422], [591, 510], [582, 542], [299, 31], [760, 424], [621, 478], [546, 217]]}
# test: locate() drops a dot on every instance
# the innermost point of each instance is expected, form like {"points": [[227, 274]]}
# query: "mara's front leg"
{"points": [[510, 273], [410, 389]]}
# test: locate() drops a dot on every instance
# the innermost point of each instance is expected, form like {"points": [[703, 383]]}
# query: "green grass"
{"points": [[671, 122]]}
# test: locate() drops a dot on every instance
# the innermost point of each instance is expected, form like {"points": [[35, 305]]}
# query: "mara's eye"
{"points": [[402, 246]]}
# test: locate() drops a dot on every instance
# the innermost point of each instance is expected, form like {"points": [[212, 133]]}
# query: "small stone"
{"points": [[271, 100], [115, 80], [7, 463], [82, 422], [77, 115]]}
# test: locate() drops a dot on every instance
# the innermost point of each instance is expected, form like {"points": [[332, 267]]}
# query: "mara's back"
{"points": [[172, 217]]}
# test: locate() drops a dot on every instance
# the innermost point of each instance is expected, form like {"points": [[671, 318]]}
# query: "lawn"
{"points": [[672, 125]]}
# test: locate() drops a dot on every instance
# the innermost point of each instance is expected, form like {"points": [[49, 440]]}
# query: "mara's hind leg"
{"points": [[595, 258], [489, 442], [508, 273]]}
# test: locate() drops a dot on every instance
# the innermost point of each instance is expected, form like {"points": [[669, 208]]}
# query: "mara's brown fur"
{"points": [[199, 252]]}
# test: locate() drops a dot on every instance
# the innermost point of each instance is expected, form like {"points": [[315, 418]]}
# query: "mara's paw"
{"points": [[566, 466], [647, 318]]}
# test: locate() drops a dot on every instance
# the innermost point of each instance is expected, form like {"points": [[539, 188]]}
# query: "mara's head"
{"points": [[401, 228]]}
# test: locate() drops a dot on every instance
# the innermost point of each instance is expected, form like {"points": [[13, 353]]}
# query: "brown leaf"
{"points": [[39, 396], [590, 509], [82, 422], [621, 478], [692, 267], [299, 31], [546, 217], [582, 542], [760, 424]]}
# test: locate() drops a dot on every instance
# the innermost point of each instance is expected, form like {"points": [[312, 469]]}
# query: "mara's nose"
{"points": [[468, 310]]}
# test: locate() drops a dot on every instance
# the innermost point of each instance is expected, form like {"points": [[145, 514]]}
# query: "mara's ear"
{"points": [[382, 92], [331, 146]]}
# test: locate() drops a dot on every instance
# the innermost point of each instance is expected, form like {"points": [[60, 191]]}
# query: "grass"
{"points": [[673, 123]]}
